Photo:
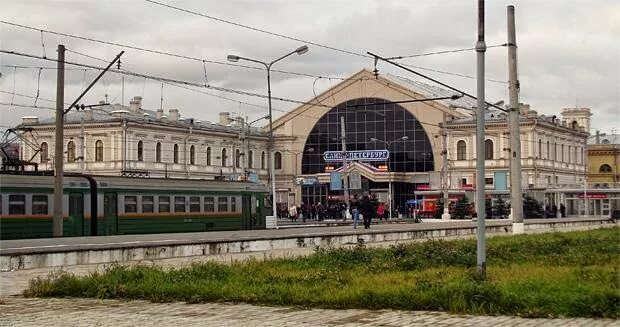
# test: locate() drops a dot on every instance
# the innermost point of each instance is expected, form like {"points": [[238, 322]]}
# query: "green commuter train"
{"points": [[124, 205]]}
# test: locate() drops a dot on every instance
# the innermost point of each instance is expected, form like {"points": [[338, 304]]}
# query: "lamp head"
{"points": [[302, 49], [233, 58], [372, 139], [404, 138]]}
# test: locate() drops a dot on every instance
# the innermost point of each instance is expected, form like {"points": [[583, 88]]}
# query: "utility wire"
{"points": [[257, 29], [161, 52], [157, 78], [443, 52]]}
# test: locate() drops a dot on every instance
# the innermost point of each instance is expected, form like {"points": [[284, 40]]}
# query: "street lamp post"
{"points": [[387, 145], [233, 58]]}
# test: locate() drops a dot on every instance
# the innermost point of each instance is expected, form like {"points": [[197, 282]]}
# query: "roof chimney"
{"points": [[135, 104], [173, 114], [225, 118], [30, 120]]}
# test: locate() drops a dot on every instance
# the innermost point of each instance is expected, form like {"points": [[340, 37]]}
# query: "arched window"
{"points": [[44, 155], [99, 150], [488, 150], [208, 156], [277, 160], [262, 160], [539, 148], [140, 151], [562, 149], [70, 151], [605, 168], [223, 157], [192, 155], [250, 159], [175, 154], [158, 152], [569, 154], [548, 150], [237, 158], [574, 124], [555, 151], [461, 150]]}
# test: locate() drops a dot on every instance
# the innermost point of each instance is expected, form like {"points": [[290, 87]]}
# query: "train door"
{"points": [[246, 212], [76, 214], [110, 214]]}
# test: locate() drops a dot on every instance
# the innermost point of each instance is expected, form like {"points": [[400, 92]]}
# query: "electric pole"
{"points": [[480, 155], [444, 170], [344, 165], [516, 195], [59, 143]]}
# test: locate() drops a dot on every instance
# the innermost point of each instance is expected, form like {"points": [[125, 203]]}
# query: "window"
{"points": [[70, 151], [179, 204], [488, 181], [569, 154], [140, 151], [277, 160], [131, 204], [176, 153], [192, 155], [605, 168], [17, 204], [158, 152], [461, 150], [194, 204], [555, 151], [209, 204], [99, 150], [237, 158], [223, 157], [39, 205], [262, 160], [574, 124], [164, 204], [209, 156], [222, 204], [562, 149], [147, 204], [539, 148], [233, 204], [548, 150], [250, 159], [488, 150], [44, 155]]}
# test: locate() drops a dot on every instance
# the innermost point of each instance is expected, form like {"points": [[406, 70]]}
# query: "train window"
{"points": [[164, 204], [179, 204], [209, 204], [233, 204], [194, 204], [17, 204], [39, 204], [147, 204], [222, 203], [131, 204]]}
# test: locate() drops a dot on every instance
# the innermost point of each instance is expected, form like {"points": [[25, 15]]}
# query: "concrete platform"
{"points": [[39, 253]]}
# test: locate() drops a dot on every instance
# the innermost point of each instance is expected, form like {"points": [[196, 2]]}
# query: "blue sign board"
{"points": [[366, 155], [335, 181], [501, 180]]}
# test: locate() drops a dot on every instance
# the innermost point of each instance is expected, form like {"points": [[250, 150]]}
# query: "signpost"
{"points": [[355, 180], [366, 155]]}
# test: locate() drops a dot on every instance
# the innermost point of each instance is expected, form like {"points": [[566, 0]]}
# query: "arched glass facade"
{"points": [[370, 124], [366, 120]]}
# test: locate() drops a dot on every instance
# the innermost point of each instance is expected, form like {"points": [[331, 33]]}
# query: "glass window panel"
{"points": [[209, 204], [194, 204], [131, 204], [179, 204], [147, 204], [164, 204], [17, 204], [222, 204], [39, 204]]}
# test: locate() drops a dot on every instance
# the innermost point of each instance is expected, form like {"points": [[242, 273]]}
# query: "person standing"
{"points": [[367, 211], [380, 211], [562, 210], [355, 213]]}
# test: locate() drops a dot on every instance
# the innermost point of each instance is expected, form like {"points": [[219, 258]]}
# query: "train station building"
{"points": [[393, 136]]}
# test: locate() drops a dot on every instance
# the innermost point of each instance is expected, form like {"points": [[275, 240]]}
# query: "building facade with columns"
{"points": [[380, 113], [132, 141]]}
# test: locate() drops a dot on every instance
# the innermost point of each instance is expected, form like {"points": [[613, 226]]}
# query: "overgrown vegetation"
{"points": [[545, 275]]}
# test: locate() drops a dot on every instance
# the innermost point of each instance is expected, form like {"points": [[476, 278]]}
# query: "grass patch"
{"points": [[572, 274]]}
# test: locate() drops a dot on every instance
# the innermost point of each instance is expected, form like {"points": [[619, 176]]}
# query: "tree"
{"points": [[532, 208], [460, 209], [500, 208], [438, 208]]}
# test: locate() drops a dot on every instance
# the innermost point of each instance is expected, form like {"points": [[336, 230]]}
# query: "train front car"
{"points": [[128, 206]]}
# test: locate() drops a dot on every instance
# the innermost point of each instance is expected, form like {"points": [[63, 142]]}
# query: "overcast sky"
{"points": [[569, 50]]}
